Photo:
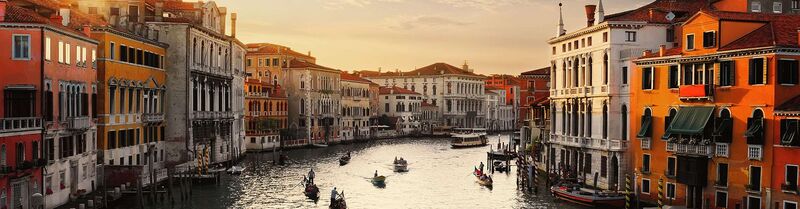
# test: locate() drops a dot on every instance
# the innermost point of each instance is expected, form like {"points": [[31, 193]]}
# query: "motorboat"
{"points": [[400, 165], [588, 197], [468, 140]]}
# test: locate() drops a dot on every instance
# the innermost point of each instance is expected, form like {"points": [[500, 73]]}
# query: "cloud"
{"points": [[407, 23], [488, 5], [339, 4]]}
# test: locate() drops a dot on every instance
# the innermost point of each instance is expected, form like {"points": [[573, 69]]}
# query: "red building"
{"points": [[512, 86], [786, 164], [534, 90], [49, 60]]}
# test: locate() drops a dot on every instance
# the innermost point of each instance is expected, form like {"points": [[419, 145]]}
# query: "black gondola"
{"points": [[344, 159], [339, 202]]}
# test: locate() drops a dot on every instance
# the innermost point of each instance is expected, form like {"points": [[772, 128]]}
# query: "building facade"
{"points": [[534, 87], [267, 61], [458, 92], [356, 107], [314, 96], [402, 109], [511, 86], [201, 81], [589, 91], [266, 115], [705, 116]]}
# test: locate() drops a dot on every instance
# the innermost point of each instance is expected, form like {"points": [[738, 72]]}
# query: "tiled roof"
{"points": [[434, 69], [295, 63], [174, 5], [353, 77], [267, 48], [540, 71], [667, 52], [683, 9], [757, 38], [395, 90], [17, 14]]}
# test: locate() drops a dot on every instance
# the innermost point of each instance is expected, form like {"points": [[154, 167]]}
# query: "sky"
{"points": [[492, 36]]}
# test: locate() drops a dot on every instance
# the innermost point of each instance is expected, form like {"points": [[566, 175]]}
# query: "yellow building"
{"points": [[266, 61], [132, 85]]}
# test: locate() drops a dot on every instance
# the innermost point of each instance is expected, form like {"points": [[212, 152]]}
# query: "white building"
{"points": [[458, 92], [314, 96], [589, 89], [402, 106]]}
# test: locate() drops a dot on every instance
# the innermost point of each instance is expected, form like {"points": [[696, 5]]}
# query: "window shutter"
{"points": [[752, 72], [732, 73], [765, 69]]}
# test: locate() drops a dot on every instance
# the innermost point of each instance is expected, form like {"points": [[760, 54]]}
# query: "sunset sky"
{"points": [[494, 36]]}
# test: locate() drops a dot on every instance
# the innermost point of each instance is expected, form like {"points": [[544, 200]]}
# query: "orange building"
{"points": [[265, 115], [266, 61], [703, 112]]}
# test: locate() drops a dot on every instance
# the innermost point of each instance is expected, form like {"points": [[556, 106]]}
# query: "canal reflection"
{"points": [[438, 177]]}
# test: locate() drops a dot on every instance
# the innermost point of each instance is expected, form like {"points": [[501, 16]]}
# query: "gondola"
{"points": [[379, 179], [488, 182], [311, 191], [344, 160], [339, 202]]}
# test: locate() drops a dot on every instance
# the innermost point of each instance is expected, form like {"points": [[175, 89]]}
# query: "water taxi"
{"points": [[469, 137]]}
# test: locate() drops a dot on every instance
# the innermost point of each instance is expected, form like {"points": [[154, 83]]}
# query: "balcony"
{"points": [[721, 183], [678, 148], [20, 124], [152, 117], [752, 188], [700, 92], [258, 94], [79, 123], [670, 174]]}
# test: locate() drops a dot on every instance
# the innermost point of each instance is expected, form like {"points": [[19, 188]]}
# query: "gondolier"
{"points": [[333, 196], [311, 176]]}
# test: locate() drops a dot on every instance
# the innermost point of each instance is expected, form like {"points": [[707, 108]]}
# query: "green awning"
{"points": [[690, 121], [644, 130], [755, 131]]}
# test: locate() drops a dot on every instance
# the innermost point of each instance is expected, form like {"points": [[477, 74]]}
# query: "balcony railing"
{"points": [[701, 91], [789, 188], [705, 150], [152, 117], [79, 123], [257, 94], [211, 115], [20, 124]]}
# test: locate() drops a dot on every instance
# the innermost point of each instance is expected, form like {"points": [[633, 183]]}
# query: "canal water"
{"points": [[438, 177]]}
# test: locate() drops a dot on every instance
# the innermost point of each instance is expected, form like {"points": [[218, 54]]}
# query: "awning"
{"points": [[644, 130], [722, 132], [755, 131], [689, 121], [790, 135]]}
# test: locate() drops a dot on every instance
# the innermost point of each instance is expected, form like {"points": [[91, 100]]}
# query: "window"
{"points": [[60, 52], [603, 166], [757, 73], [646, 163], [795, 4], [671, 166], [709, 39], [605, 37], [630, 36], [670, 34], [673, 76], [722, 175], [671, 191], [47, 48], [790, 184], [755, 179], [727, 73], [722, 150], [67, 56], [624, 75], [22, 47], [777, 7], [787, 72], [721, 199], [753, 202], [646, 186], [754, 152], [789, 204], [755, 6], [690, 42], [647, 78]]}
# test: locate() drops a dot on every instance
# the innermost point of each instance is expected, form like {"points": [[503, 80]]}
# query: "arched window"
{"points": [[605, 69], [624, 118], [564, 74], [589, 65], [564, 119], [588, 124], [605, 121], [670, 116], [302, 106]]}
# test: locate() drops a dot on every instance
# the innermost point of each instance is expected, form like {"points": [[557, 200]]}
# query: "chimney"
{"points": [[646, 52], [159, 10], [590, 9], [233, 25], [661, 50], [651, 13], [309, 53], [87, 30], [3, 10], [64, 13]]}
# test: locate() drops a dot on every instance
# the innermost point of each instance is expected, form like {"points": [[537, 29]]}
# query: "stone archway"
{"points": [[613, 180]]}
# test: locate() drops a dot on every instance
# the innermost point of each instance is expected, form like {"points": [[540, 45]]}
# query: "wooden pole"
{"points": [[169, 187], [139, 192]]}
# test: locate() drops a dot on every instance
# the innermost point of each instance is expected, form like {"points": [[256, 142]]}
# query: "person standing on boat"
{"points": [[481, 167], [376, 173], [311, 176], [333, 196]]}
